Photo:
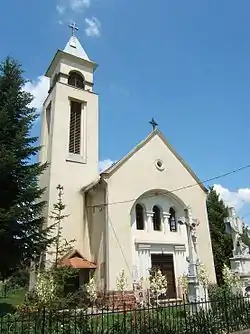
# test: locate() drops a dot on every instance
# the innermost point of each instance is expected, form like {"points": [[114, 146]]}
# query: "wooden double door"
{"points": [[165, 262]]}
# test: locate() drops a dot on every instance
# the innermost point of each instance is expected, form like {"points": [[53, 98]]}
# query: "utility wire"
{"points": [[177, 189], [119, 244]]}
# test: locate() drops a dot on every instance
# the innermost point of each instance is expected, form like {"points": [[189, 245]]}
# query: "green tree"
{"points": [[221, 241], [22, 236], [55, 282], [62, 245]]}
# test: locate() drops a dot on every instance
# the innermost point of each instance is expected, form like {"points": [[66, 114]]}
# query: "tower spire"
{"points": [[73, 46]]}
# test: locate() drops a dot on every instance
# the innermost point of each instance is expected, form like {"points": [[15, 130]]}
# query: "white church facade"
{"points": [[130, 215]]}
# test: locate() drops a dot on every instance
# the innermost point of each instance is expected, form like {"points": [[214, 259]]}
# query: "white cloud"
{"points": [[78, 5], [39, 89], [60, 9], [93, 26], [104, 164], [234, 198]]}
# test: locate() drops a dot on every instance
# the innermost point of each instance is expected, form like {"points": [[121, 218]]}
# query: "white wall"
{"points": [[137, 176], [72, 171], [96, 228]]}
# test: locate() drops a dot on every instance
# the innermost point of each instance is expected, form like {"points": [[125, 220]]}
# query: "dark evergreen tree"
{"points": [[22, 237], [221, 241]]}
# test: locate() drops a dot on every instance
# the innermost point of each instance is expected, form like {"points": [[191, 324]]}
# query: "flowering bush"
{"points": [[183, 283], [232, 280], [91, 289], [144, 283], [46, 288], [121, 281], [202, 275], [158, 284]]}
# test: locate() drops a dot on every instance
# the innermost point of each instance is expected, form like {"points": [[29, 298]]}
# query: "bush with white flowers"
{"points": [[144, 283], [158, 284], [91, 289], [45, 288], [183, 283], [121, 281], [202, 275], [231, 280]]}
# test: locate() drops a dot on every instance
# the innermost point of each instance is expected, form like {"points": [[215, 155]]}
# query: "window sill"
{"points": [[76, 158]]}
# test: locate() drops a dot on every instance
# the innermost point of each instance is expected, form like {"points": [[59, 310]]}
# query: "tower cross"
{"points": [[153, 123], [74, 28]]}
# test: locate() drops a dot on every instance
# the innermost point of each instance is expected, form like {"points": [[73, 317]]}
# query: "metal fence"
{"points": [[224, 315], [4, 290]]}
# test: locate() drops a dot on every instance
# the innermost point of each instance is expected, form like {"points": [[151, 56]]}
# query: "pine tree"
{"points": [[221, 242], [62, 245], [22, 237]]}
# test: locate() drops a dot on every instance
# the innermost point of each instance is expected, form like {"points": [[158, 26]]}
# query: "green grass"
{"points": [[14, 298]]}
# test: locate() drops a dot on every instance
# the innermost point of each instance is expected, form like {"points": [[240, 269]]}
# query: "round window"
{"points": [[159, 164]]}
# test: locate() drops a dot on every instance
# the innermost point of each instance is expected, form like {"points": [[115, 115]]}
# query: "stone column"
{"points": [[181, 226], [144, 260], [150, 215], [179, 262], [166, 216]]}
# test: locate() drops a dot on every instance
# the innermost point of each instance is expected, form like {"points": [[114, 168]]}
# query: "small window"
{"points": [[139, 217], [48, 118], [172, 220], [76, 80], [75, 127], [157, 218]]}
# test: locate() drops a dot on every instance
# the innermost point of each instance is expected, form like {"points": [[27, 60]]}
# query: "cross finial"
{"points": [[74, 28], [153, 123]]}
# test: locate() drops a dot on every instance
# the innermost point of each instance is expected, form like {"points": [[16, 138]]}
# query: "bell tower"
{"points": [[69, 136]]}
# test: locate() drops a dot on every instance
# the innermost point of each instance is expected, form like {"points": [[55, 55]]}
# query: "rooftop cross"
{"points": [[74, 28], [153, 123]]}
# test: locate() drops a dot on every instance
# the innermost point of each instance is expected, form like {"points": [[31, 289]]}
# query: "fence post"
{"points": [[226, 313], [43, 329], [185, 315]]}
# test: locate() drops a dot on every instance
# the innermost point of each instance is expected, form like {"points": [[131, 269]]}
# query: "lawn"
{"points": [[13, 298]]}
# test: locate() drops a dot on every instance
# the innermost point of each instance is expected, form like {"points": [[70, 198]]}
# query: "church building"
{"points": [[130, 216]]}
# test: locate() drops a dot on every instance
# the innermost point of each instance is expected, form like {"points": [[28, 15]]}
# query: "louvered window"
{"points": [[75, 128]]}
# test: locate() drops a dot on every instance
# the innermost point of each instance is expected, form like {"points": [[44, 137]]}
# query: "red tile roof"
{"points": [[78, 263]]}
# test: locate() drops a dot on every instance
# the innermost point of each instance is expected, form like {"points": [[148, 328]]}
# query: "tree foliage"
{"points": [[54, 281], [21, 234], [221, 242], [60, 245]]}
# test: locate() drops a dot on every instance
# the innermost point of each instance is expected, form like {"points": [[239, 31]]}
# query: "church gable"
{"points": [[159, 145]]}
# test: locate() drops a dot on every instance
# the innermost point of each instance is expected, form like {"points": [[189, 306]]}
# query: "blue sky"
{"points": [[186, 63]]}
